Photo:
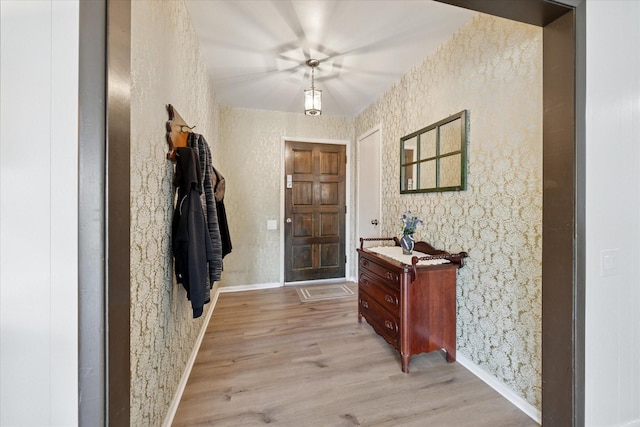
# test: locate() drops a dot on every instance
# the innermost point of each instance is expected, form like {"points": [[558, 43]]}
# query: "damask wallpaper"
{"points": [[251, 153], [493, 68], [166, 68]]}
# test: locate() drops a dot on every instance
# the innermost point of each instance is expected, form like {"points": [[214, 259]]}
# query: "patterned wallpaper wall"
{"points": [[251, 162], [166, 68], [493, 68]]}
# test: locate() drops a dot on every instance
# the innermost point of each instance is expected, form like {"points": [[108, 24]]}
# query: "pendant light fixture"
{"points": [[313, 96]]}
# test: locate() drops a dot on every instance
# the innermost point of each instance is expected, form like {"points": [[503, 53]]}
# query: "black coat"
{"points": [[191, 243]]}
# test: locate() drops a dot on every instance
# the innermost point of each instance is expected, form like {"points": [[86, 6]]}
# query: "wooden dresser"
{"points": [[410, 303]]}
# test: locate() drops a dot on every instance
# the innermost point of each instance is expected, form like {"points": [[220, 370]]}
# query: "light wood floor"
{"points": [[267, 358]]}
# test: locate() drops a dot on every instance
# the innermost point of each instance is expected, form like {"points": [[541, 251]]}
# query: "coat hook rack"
{"points": [[177, 132]]}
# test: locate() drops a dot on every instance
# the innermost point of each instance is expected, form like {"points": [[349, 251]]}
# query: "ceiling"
{"points": [[256, 51]]}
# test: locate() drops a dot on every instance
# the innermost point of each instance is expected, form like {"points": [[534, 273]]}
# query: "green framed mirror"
{"points": [[435, 157]]}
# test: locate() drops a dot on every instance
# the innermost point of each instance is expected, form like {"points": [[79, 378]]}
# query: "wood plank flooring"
{"points": [[268, 358]]}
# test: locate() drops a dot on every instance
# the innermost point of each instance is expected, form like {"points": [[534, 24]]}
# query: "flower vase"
{"points": [[407, 243]]}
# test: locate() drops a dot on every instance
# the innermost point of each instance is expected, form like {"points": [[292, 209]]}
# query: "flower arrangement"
{"points": [[409, 223]]}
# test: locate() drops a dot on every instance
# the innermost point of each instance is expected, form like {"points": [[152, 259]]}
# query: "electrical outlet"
{"points": [[609, 260], [272, 224]]}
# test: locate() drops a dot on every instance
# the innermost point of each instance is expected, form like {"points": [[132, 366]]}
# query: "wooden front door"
{"points": [[315, 210]]}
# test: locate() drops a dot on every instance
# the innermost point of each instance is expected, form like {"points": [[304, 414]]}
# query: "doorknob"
{"points": [[374, 221], [288, 220]]}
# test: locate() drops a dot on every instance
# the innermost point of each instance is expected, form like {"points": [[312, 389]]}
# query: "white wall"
{"points": [[613, 213], [38, 213]]}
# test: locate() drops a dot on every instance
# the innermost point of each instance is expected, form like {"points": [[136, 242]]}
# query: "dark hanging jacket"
{"points": [[192, 249], [208, 202], [222, 213]]}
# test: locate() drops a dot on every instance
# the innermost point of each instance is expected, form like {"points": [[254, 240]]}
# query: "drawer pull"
{"points": [[364, 263], [390, 299], [389, 275], [389, 324], [365, 304], [365, 282]]}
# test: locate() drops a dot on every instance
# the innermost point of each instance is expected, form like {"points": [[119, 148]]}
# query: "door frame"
{"points": [[104, 283], [371, 131], [91, 281], [348, 199]]}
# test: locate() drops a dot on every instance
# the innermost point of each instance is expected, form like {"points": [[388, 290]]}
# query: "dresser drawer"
{"points": [[386, 274], [381, 320], [383, 295]]}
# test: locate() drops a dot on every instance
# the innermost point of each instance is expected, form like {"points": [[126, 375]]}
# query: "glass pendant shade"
{"points": [[313, 96], [313, 102]]}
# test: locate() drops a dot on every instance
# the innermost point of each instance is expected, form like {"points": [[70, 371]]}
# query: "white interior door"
{"points": [[369, 212]]}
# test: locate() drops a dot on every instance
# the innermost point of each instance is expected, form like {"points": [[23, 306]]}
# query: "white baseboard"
{"points": [[177, 397], [501, 388], [635, 423], [254, 287]]}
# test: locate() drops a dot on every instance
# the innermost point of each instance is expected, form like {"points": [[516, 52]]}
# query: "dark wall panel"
{"points": [[118, 211], [558, 221], [534, 12]]}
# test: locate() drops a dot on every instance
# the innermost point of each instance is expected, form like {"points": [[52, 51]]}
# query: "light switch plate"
{"points": [[272, 224]]}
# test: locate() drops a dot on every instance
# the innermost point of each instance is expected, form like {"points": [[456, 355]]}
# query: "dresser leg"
{"points": [[359, 317], [405, 359], [449, 356]]}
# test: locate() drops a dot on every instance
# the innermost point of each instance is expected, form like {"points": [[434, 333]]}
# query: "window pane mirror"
{"points": [[435, 158]]}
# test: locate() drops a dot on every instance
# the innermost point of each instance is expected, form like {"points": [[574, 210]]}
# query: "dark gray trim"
{"points": [[558, 223], [118, 211], [534, 12], [91, 213], [563, 292], [580, 290]]}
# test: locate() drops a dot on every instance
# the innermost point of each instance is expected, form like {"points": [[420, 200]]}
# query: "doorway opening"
{"points": [[369, 215], [562, 400]]}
